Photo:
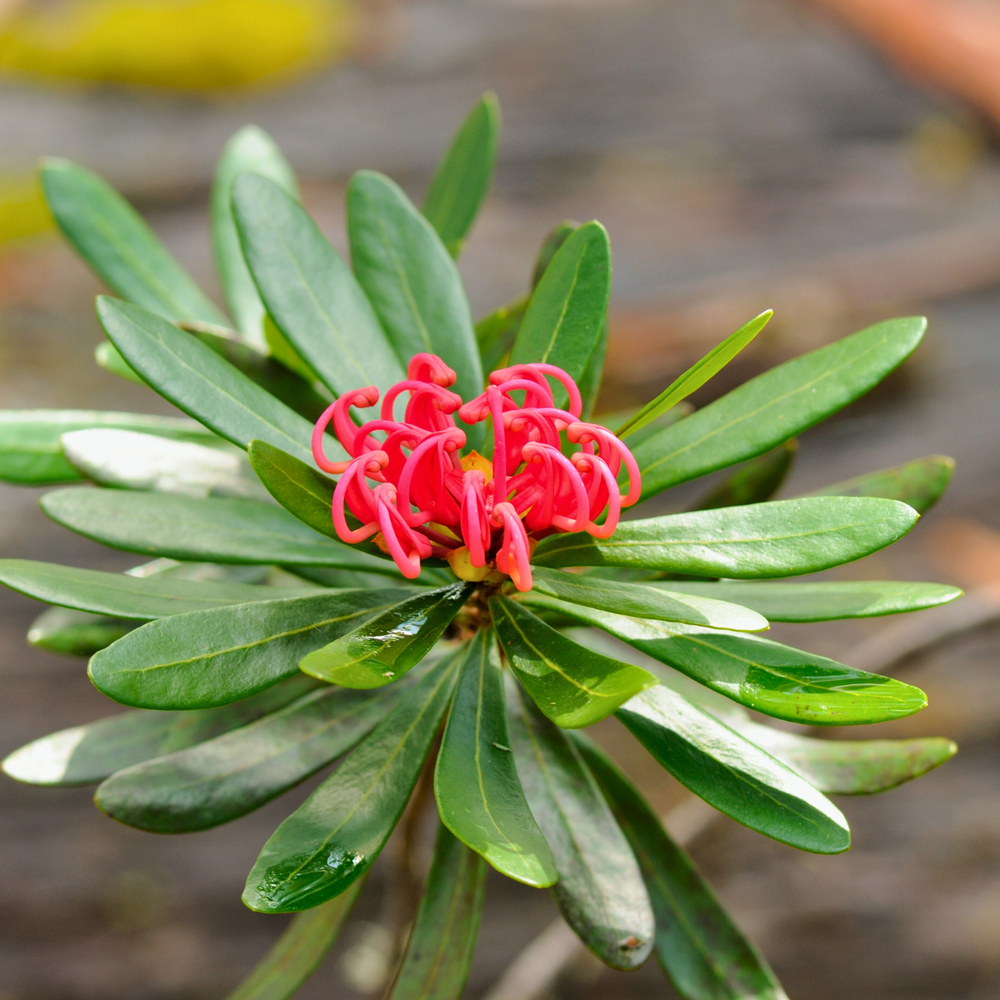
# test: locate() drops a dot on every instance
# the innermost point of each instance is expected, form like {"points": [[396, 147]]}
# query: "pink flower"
{"points": [[408, 484]]}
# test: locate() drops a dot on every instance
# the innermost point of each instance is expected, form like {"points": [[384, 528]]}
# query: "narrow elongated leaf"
{"points": [[76, 633], [700, 948], [478, 792], [207, 658], [766, 676], [87, 754], [496, 331], [119, 246], [643, 601], [381, 650], [463, 177], [107, 357], [250, 149], [309, 291], [919, 483], [589, 383], [697, 375], [332, 839], [201, 383], [297, 954], [732, 774], [31, 452], [817, 602], [554, 239], [754, 481], [410, 279], [600, 890], [775, 406], [233, 774], [210, 530], [780, 538], [439, 951], [572, 685]]}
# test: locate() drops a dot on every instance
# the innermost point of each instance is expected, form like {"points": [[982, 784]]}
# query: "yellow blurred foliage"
{"points": [[22, 210], [193, 45]]}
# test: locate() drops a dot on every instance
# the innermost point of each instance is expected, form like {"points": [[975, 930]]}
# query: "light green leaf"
{"points": [[754, 481], [76, 633], [107, 357]]}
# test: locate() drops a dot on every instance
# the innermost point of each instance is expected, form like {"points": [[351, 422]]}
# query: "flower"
{"points": [[427, 499]]}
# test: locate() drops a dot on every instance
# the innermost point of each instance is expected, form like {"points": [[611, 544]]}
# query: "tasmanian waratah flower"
{"points": [[408, 483]]}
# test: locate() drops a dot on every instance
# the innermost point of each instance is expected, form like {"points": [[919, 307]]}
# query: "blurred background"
{"points": [[836, 161]]}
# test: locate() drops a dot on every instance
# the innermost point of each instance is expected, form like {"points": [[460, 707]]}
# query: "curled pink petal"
{"points": [[514, 556], [430, 368]]}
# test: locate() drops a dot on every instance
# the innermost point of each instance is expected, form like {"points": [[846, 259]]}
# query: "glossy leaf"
{"points": [[643, 601], [211, 530], [733, 775], [463, 177], [479, 794], [600, 890], [332, 839], [700, 948], [207, 658], [572, 685], [381, 650], [697, 375], [438, 953], [752, 482], [816, 602], [250, 149], [119, 246], [76, 633], [919, 483], [88, 754], [780, 538], [31, 452], [775, 406], [309, 291]]}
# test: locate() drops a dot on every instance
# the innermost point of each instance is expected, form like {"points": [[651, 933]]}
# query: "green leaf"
{"points": [[463, 177], [919, 483], [600, 891], [31, 452], [643, 601], [775, 406], [297, 954], [495, 332], [410, 279], [780, 538], [121, 249], [250, 149], [381, 650], [700, 948], [478, 792], [332, 839], [201, 383], [817, 602], [309, 291], [439, 950], [210, 530], [76, 633], [589, 383], [88, 754], [766, 676], [235, 773], [207, 658], [573, 686], [754, 481], [554, 239], [697, 375], [107, 357], [732, 774]]}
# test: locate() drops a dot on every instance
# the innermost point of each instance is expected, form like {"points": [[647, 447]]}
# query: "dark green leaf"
{"points": [[752, 482], [775, 406], [495, 333], [919, 483], [381, 650], [780, 538], [463, 177], [207, 658], [439, 951], [479, 795], [816, 602], [732, 774], [589, 383], [700, 948], [600, 890], [554, 239], [573, 686], [76, 633], [88, 754], [250, 149], [121, 249], [309, 291], [333, 838]]}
